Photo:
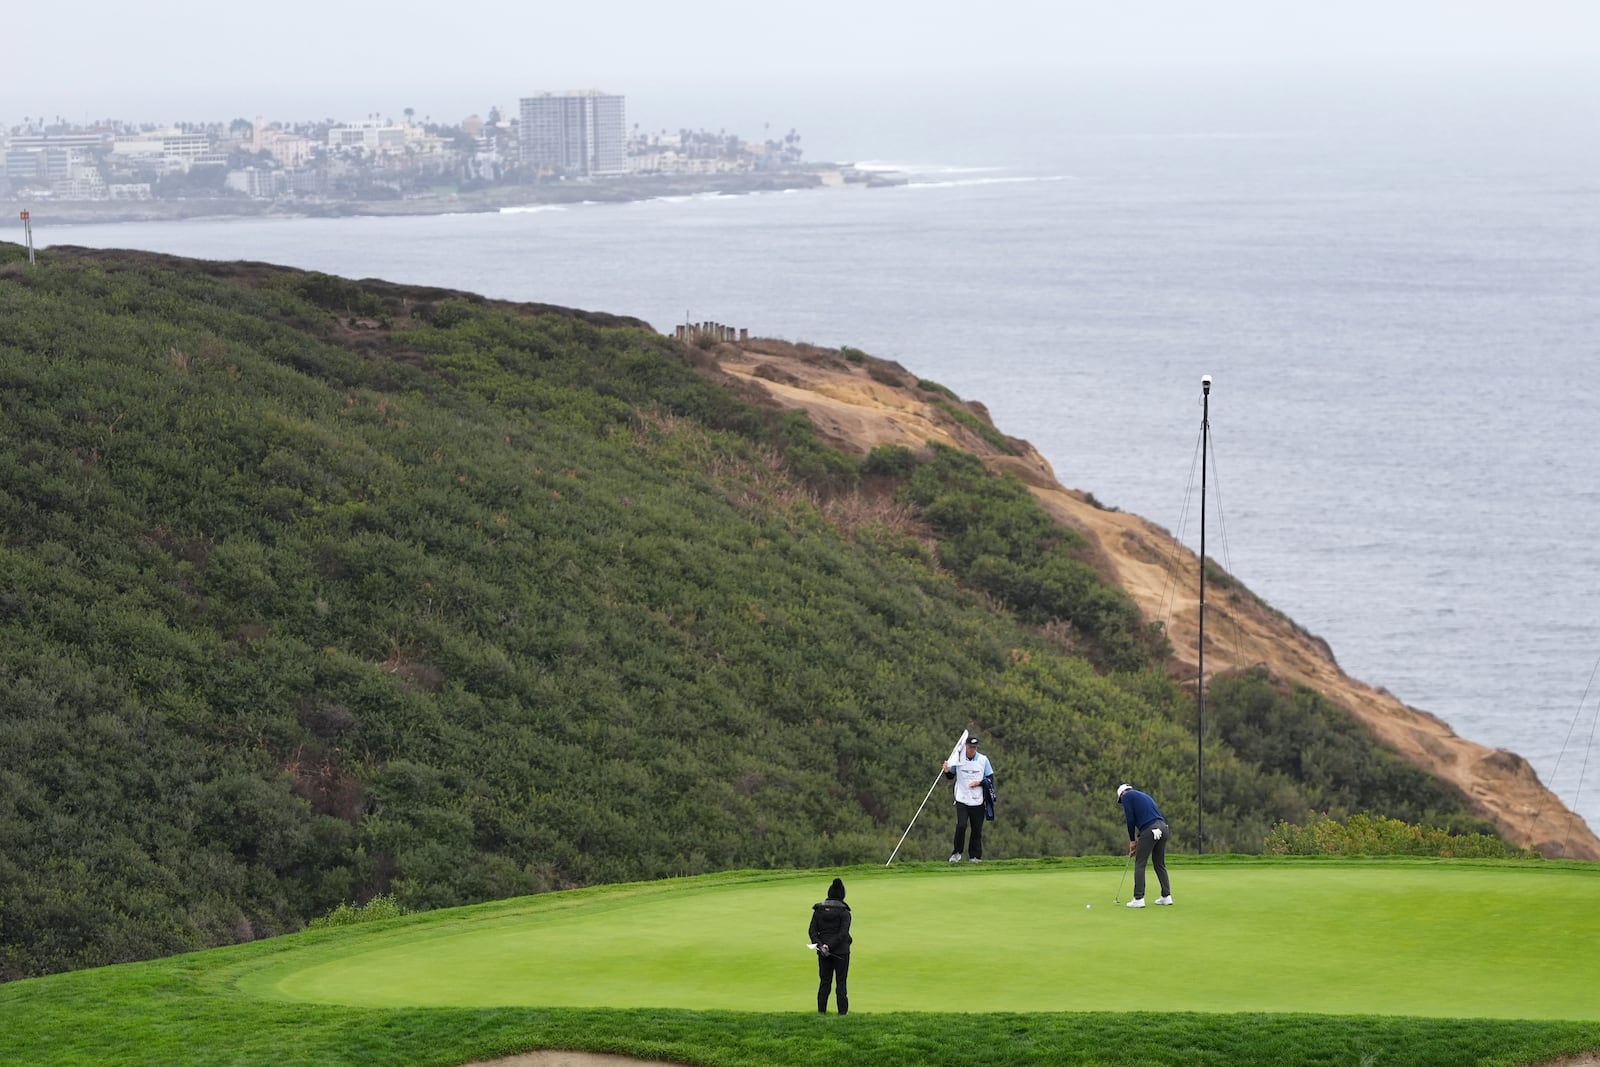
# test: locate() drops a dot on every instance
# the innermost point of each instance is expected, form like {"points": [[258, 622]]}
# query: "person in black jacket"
{"points": [[830, 933]]}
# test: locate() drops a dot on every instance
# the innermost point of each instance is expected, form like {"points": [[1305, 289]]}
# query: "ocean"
{"points": [[1400, 323]]}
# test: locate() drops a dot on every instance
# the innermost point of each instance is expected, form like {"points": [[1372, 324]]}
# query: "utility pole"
{"points": [[1200, 680]]}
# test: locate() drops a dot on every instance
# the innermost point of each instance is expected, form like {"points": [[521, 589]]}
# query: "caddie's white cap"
{"points": [[1123, 788]]}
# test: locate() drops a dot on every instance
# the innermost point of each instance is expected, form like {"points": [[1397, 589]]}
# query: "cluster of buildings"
{"points": [[554, 136]]}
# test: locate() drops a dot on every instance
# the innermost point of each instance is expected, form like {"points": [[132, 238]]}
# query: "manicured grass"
{"points": [[1261, 961], [1435, 939]]}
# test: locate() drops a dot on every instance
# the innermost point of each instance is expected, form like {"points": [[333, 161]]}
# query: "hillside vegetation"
{"points": [[312, 590]]}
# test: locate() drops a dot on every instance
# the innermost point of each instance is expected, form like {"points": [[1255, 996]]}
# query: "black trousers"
{"points": [[969, 813], [831, 969], [1151, 847]]}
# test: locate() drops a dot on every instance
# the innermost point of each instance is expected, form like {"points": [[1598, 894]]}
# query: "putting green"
{"points": [[1390, 938]]}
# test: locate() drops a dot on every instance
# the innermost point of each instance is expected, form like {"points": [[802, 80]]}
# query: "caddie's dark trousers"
{"points": [[1152, 846], [969, 813], [829, 969]]}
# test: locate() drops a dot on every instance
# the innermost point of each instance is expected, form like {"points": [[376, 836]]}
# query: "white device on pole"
{"points": [[955, 754]]}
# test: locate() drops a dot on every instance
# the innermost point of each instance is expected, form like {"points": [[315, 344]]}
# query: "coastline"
{"points": [[610, 191]]}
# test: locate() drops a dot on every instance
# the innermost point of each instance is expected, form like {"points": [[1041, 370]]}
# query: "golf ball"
{"points": [[1087, 906]]}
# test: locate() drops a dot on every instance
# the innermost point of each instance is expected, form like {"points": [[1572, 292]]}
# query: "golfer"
{"points": [[1147, 838], [830, 932], [974, 783]]}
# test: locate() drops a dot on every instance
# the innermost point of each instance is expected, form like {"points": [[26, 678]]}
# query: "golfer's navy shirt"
{"points": [[1139, 811]]}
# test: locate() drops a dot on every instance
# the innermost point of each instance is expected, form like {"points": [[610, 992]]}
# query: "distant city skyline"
{"points": [[743, 66]]}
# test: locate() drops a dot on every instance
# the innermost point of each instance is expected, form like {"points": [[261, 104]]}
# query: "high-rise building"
{"points": [[574, 133]]}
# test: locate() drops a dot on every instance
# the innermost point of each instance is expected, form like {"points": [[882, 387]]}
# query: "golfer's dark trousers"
{"points": [[969, 813], [1150, 847], [829, 969]]}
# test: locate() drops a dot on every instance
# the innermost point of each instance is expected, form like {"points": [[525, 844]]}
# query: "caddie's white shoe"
{"points": [[1163, 900], [976, 859], [1136, 903], [955, 857]]}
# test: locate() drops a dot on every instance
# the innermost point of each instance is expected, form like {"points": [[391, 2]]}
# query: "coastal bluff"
{"points": [[861, 403]]}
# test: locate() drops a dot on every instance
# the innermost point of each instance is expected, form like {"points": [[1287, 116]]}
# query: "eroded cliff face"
{"points": [[863, 403]]}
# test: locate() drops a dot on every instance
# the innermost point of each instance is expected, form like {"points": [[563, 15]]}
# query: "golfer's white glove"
{"points": [[1156, 833]]}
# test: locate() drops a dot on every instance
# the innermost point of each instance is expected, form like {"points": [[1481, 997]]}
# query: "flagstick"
{"points": [[913, 821], [954, 753]]}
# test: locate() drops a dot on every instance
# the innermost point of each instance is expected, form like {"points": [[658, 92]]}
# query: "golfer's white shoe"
{"points": [[976, 859], [955, 857], [1136, 903], [1163, 900]]}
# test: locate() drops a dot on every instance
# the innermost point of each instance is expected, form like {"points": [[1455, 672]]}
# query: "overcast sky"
{"points": [[208, 59]]}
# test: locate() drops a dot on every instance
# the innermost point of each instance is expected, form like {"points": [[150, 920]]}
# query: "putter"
{"points": [[1118, 898]]}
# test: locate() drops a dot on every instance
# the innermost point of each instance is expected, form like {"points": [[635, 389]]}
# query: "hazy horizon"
{"points": [[836, 74]]}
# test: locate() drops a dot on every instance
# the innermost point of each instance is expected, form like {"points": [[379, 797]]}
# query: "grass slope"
{"points": [[1270, 962]]}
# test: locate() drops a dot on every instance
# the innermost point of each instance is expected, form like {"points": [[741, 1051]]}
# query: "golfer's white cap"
{"points": [[1123, 788]]}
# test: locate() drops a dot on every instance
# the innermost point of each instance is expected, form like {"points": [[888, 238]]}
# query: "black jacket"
{"points": [[830, 925]]}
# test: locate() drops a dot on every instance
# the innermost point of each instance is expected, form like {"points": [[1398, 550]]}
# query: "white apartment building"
{"points": [[373, 136], [166, 151], [181, 150], [578, 133], [71, 173], [258, 183], [27, 142], [138, 149], [82, 182]]}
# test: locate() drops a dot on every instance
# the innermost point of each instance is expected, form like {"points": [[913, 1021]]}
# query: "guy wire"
{"points": [[1583, 768]]}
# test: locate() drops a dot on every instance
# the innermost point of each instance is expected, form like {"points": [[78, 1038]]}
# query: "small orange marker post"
{"points": [[27, 234]]}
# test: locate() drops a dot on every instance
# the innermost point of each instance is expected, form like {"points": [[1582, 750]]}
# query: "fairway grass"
{"points": [[1439, 940], [1268, 961]]}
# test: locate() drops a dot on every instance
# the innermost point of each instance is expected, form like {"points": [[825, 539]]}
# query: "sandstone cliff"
{"points": [[862, 403]]}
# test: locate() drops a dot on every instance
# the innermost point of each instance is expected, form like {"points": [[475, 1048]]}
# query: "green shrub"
{"points": [[988, 433], [1364, 834], [331, 293], [380, 907], [995, 535], [448, 314], [1293, 732], [821, 466], [894, 461]]}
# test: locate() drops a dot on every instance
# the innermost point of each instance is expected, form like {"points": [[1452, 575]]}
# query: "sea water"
{"points": [[1401, 330]]}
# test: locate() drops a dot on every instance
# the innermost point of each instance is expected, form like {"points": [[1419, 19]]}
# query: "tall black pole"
{"points": [[1200, 680]]}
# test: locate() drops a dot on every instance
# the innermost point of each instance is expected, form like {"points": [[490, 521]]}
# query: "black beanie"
{"points": [[836, 890]]}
